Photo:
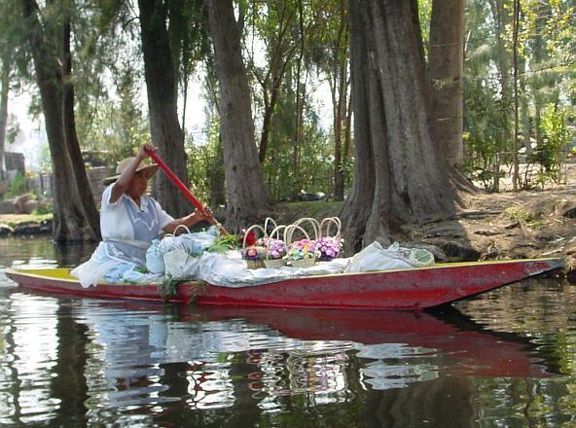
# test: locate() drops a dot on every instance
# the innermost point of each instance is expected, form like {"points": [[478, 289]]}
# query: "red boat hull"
{"points": [[417, 288], [481, 353]]}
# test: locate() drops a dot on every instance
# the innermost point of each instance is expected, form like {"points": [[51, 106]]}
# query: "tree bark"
{"points": [[247, 197], [339, 86], [446, 61], [73, 145], [69, 222], [161, 83], [399, 176], [5, 82]]}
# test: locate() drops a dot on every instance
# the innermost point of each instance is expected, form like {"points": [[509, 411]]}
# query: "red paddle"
{"points": [[183, 188]]}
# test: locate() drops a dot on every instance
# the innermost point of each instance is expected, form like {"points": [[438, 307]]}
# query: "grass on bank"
{"points": [[285, 213], [14, 220]]}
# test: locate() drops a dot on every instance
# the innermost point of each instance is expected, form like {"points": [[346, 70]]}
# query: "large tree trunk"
{"points": [[399, 177], [446, 60], [161, 83], [72, 143], [247, 197], [69, 221]]}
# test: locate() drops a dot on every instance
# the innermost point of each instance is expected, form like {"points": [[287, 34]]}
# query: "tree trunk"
{"points": [[446, 60], [68, 217], [216, 179], [271, 93], [515, 96], [399, 177], [281, 54], [247, 197], [340, 105], [72, 143], [161, 83], [5, 82], [503, 63]]}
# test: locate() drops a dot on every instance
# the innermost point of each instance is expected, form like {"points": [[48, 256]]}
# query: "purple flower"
{"points": [[329, 247], [275, 248], [304, 248], [252, 253]]}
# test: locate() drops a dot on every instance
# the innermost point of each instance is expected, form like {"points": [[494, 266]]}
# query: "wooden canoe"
{"points": [[417, 288]]}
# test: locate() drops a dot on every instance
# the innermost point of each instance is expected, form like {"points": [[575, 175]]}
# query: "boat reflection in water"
{"points": [[116, 362], [274, 353]]}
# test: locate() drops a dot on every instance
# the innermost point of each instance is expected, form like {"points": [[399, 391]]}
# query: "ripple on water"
{"points": [[30, 351]]}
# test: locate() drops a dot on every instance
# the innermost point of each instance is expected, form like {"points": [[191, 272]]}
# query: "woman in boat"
{"points": [[129, 221]]}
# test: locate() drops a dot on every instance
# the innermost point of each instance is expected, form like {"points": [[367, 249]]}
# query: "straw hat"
{"points": [[150, 170]]}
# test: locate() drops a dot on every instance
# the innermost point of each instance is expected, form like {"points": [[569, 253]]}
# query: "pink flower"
{"points": [[304, 248], [329, 247], [252, 253]]}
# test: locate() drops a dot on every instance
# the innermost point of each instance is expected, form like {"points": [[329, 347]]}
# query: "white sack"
{"points": [[374, 257]]}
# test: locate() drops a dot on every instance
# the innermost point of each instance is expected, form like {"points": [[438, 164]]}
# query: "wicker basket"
{"points": [[304, 263], [298, 228], [327, 226], [275, 237], [273, 263], [329, 223], [255, 264]]}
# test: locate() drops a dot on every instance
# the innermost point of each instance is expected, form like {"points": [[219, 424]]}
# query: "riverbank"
{"points": [[25, 224], [506, 225]]}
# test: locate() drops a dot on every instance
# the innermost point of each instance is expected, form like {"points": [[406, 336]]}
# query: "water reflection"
{"points": [[41, 252], [83, 362], [137, 358]]}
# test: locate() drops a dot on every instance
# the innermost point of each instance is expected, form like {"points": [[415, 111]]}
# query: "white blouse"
{"points": [[124, 221]]}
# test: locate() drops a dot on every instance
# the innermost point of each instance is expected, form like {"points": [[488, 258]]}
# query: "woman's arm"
{"points": [[121, 185], [189, 220]]}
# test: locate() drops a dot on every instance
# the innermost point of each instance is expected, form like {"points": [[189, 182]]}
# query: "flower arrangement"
{"points": [[302, 249], [329, 247], [276, 249], [253, 248], [254, 253]]}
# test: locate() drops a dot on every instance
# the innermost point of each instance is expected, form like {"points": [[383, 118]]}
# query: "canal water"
{"points": [[504, 359]]}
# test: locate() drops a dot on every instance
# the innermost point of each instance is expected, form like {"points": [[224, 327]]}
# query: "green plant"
{"points": [[43, 210], [17, 186], [551, 152], [224, 243], [168, 288], [518, 213]]}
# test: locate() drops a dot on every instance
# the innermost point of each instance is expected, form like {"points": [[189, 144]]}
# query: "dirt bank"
{"points": [[503, 225], [509, 225]]}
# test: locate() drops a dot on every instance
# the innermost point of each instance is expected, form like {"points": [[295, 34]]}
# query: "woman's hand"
{"points": [[190, 220], [144, 149], [204, 214]]}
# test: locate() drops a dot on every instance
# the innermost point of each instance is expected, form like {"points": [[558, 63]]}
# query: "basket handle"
{"points": [[183, 226], [276, 232], [328, 223], [269, 220], [313, 222], [271, 237], [289, 231]]}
